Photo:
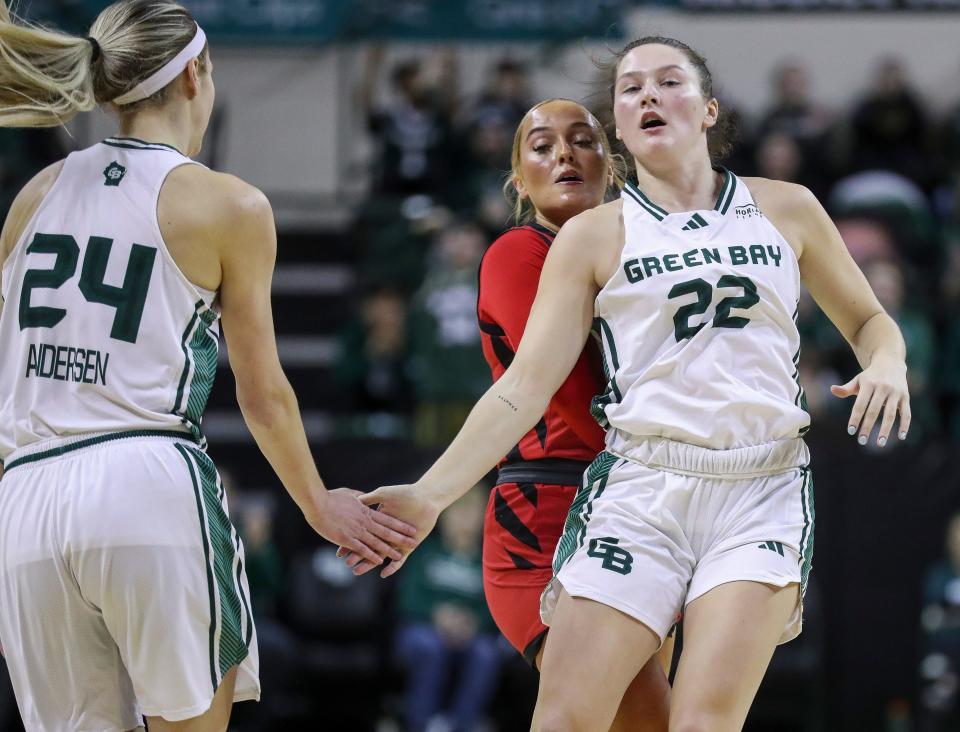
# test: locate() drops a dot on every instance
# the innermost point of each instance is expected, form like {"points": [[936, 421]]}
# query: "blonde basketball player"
{"points": [[122, 585], [702, 499]]}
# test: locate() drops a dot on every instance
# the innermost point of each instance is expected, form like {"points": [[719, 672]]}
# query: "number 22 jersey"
{"points": [[101, 332], [698, 326]]}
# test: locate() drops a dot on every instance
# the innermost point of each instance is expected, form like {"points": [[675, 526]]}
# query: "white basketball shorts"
{"points": [[658, 523], [122, 587]]}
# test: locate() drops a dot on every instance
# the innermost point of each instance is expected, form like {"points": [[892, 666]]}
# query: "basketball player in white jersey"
{"points": [[702, 500], [122, 586]]}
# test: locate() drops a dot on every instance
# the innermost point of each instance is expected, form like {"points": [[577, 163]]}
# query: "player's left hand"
{"points": [[409, 504], [881, 387]]}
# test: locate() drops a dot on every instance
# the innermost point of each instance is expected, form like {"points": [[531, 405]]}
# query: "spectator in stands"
{"points": [[446, 631], [373, 363], [890, 127], [779, 157], [449, 372], [940, 623], [505, 99], [414, 130], [793, 113]]}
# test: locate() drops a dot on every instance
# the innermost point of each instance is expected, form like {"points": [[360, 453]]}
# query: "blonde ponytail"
{"points": [[47, 77]]}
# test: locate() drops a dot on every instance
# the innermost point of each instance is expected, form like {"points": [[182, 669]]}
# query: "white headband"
{"points": [[166, 73]]}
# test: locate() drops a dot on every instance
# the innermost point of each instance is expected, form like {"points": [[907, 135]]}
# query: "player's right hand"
{"points": [[408, 503], [340, 517]]}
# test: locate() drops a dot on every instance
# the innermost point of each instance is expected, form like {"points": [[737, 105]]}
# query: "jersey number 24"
{"points": [[127, 300]]}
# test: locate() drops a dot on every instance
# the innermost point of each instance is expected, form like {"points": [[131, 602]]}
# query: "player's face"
{"points": [[204, 103], [658, 106], [563, 168]]}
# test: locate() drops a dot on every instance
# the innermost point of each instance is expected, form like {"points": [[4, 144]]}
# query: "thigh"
{"points": [[44, 615], [214, 719], [522, 526], [165, 566], [729, 635], [593, 654]]}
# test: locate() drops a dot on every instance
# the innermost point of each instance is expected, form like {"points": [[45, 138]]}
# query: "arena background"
{"points": [[860, 100]]}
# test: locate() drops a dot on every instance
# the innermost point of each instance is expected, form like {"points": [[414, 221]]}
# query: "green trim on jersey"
{"points": [[612, 394], [800, 400], [630, 188], [806, 536], [200, 356], [575, 527], [229, 608], [132, 143], [726, 191], [80, 444]]}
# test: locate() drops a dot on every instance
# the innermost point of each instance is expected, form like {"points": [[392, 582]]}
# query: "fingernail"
{"points": [[862, 439], [882, 441], [903, 435], [851, 430]]}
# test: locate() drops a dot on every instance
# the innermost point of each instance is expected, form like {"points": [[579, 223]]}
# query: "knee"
{"points": [[559, 719]]}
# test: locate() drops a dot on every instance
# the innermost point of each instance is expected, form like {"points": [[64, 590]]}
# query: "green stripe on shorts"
{"points": [[229, 607], [575, 527], [806, 536]]}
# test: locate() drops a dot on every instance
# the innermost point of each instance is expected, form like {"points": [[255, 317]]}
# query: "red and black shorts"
{"points": [[524, 521]]}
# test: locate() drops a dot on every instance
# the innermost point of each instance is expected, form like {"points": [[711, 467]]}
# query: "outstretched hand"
{"points": [[880, 387], [343, 519], [405, 503]]}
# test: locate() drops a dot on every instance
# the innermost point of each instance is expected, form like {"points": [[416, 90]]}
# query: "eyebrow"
{"points": [[662, 68], [549, 129]]}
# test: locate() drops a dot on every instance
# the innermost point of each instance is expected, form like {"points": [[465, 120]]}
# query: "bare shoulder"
{"points": [[791, 207], [25, 205], [214, 199], [595, 237]]}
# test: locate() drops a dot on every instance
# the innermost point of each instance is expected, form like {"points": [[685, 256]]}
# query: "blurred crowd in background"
{"points": [[885, 167]]}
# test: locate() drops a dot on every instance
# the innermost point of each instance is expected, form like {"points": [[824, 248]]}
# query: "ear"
{"points": [[521, 189], [713, 113], [191, 78]]}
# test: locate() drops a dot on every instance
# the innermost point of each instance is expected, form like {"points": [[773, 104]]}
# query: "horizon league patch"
{"points": [[748, 211]]}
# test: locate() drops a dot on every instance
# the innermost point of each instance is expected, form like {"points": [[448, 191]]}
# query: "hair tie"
{"points": [[96, 49]]}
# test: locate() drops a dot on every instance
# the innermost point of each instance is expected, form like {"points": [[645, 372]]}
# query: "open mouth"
{"points": [[651, 120], [569, 178]]}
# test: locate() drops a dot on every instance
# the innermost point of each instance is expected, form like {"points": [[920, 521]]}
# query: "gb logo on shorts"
{"points": [[614, 558]]}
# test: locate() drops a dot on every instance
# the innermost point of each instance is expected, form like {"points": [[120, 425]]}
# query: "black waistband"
{"points": [[551, 471]]}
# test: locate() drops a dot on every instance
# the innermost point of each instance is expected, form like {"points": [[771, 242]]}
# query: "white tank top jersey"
{"points": [[101, 331], [698, 326]]}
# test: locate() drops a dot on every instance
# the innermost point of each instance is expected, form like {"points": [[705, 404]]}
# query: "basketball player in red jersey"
{"points": [[561, 166]]}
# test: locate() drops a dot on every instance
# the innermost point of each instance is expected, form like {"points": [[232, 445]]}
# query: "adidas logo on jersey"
{"points": [[748, 211], [774, 546], [696, 222], [113, 174]]}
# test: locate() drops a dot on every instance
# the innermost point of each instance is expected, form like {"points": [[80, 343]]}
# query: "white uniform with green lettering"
{"points": [[704, 479], [117, 556]]}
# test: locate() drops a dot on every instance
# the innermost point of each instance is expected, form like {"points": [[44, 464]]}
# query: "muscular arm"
{"points": [[552, 341], [509, 277], [843, 293], [242, 230]]}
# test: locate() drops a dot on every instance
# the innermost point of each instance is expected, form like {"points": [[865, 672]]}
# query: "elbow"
{"points": [[265, 405]]}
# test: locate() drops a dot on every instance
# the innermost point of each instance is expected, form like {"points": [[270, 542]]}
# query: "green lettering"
{"points": [[102, 367], [690, 258], [671, 262], [738, 255], [774, 254], [632, 270], [32, 360], [711, 256], [46, 350], [88, 367], [758, 253], [77, 358], [58, 372], [652, 265]]}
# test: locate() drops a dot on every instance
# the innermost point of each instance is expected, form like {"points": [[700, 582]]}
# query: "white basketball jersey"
{"points": [[698, 326], [101, 332]]}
